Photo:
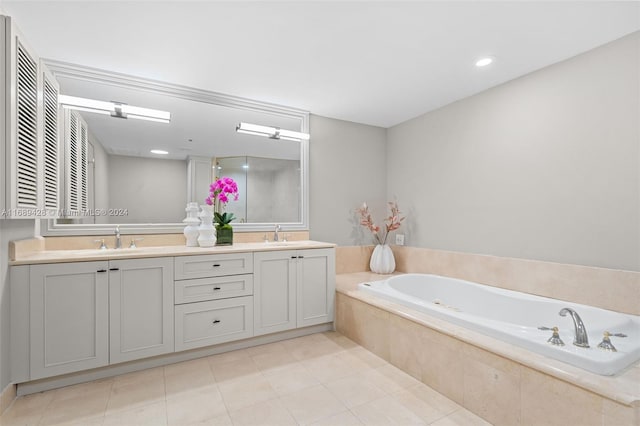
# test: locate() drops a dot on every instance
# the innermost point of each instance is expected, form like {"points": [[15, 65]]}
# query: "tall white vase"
{"points": [[207, 232], [382, 260], [191, 230]]}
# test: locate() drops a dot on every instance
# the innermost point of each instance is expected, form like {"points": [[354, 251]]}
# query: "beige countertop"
{"points": [[86, 255], [623, 387]]}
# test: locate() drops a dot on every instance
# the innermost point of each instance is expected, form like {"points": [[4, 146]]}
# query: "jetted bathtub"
{"points": [[515, 317]]}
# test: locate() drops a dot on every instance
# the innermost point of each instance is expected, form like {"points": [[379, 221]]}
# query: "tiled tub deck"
{"points": [[502, 383]]}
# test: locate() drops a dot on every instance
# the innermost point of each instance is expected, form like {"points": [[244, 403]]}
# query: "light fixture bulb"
{"points": [[483, 62], [271, 132], [115, 109]]}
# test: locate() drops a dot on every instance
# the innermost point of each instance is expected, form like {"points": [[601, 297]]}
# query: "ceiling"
{"points": [[377, 63]]}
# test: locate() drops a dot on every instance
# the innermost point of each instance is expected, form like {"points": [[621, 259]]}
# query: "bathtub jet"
{"points": [[516, 317]]}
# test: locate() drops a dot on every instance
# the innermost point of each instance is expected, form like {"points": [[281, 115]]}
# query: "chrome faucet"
{"points": [[276, 237], [118, 240], [581, 339]]}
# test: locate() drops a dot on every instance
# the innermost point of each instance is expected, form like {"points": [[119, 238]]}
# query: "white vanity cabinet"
{"points": [[84, 315], [293, 289], [140, 308], [73, 317], [68, 317], [29, 147], [214, 299]]}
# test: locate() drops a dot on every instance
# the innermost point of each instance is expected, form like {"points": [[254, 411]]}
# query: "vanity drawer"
{"points": [[213, 265], [209, 323], [202, 289]]}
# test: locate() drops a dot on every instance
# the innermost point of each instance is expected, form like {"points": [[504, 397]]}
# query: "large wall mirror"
{"points": [[143, 192]]}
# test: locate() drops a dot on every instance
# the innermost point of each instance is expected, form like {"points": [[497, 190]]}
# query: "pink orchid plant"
{"points": [[220, 193], [391, 223]]}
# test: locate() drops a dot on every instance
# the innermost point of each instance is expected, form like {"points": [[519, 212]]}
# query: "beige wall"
{"points": [[347, 167], [545, 167]]}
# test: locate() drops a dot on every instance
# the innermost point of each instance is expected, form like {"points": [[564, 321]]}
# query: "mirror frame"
{"points": [[49, 227]]}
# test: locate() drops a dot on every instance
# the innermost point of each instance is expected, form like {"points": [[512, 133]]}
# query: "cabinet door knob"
{"points": [[114, 269], [216, 265], [216, 321], [294, 257], [101, 270], [300, 257], [216, 288]]}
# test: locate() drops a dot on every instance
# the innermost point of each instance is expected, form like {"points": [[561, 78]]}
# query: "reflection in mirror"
{"points": [[272, 188], [128, 185]]}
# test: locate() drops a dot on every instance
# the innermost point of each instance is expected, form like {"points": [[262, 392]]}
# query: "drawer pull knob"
{"points": [[101, 270], [300, 257], [294, 257], [216, 265], [216, 321], [114, 269], [216, 288]]}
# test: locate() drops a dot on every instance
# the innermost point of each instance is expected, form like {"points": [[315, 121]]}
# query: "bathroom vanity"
{"points": [[80, 310]]}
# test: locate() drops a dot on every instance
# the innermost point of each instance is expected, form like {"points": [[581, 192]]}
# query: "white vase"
{"points": [[206, 230], [382, 260], [191, 230]]}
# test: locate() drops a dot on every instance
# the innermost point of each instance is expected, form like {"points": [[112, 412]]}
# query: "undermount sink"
{"points": [[280, 243]]}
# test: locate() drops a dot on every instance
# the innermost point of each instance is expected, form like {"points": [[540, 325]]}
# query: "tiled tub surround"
{"points": [[502, 383], [611, 289], [516, 317]]}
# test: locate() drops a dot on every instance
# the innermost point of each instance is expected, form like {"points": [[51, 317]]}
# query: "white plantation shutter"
{"points": [[50, 142], [29, 117], [82, 183], [26, 129], [72, 142], [77, 145]]}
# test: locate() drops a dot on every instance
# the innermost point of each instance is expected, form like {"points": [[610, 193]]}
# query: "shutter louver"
{"points": [[72, 181], [26, 126], [50, 145]]}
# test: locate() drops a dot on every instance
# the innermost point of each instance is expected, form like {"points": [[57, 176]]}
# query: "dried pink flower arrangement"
{"points": [[392, 222]]}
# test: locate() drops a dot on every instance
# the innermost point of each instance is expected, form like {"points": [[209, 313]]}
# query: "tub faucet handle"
{"points": [[555, 339], [606, 342]]}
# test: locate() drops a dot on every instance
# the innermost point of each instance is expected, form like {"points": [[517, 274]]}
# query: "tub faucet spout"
{"points": [[581, 339]]}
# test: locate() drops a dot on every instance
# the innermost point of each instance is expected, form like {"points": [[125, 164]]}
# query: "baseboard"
{"points": [[7, 396]]}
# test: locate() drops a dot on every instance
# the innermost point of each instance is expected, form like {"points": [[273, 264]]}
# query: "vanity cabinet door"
{"points": [[274, 291], [316, 272], [141, 308], [69, 318]]}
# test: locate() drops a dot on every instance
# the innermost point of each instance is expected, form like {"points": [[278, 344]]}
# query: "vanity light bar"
{"points": [[271, 132], [115, 109]]}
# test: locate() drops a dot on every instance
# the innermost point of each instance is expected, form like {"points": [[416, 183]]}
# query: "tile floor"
{"points": [[321, 379]]}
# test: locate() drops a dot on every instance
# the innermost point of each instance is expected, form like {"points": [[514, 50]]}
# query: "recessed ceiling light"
{"points": [[159, 152], [483, 62]]}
